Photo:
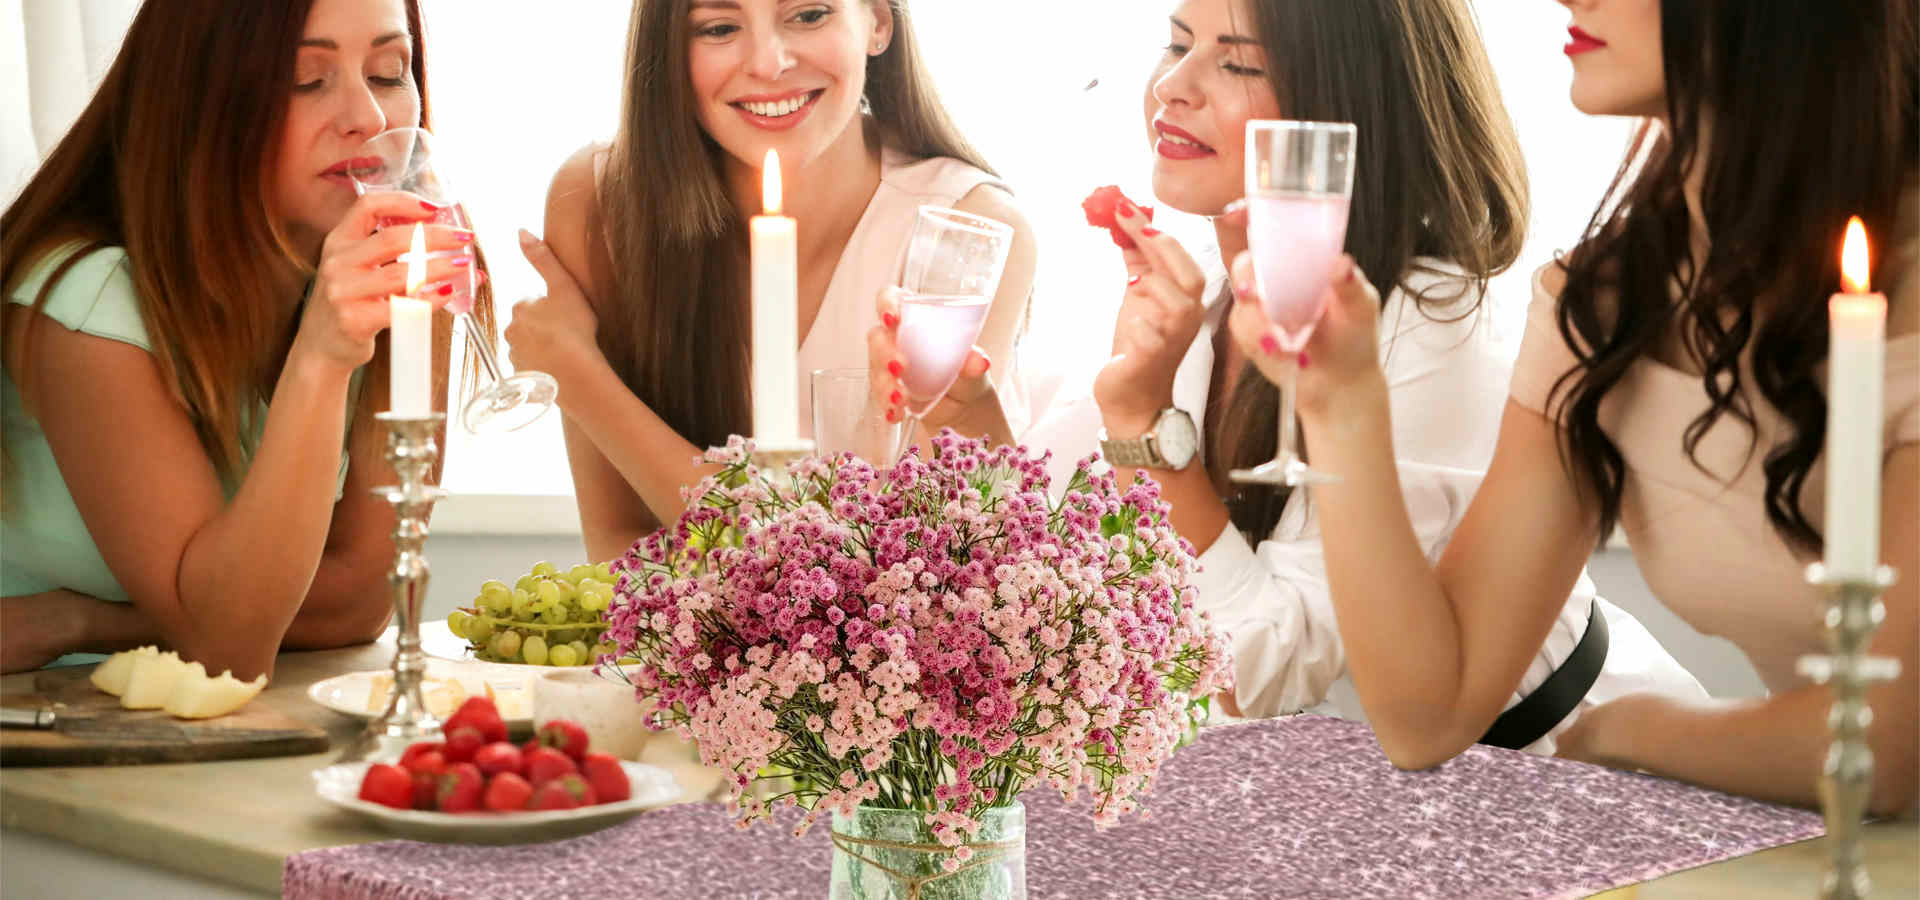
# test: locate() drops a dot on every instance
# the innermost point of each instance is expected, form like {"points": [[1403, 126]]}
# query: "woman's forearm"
{"points": [[653, 458]]}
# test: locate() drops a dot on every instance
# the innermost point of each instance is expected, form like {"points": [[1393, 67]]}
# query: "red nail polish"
{"points": [[1149, 231], [1134, 280], [1304, 361], [894, 398], [428, 206], [893, 415], [464, 237], [989, 366], [1125, 209], [1271, 346], [892, 320], [446, 289], [894, 368]]}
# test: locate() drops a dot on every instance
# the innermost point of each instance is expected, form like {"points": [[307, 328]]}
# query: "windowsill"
{"points": [[507, 514]]}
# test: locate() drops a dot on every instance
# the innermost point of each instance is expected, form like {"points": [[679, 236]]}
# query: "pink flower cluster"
{"points": [[936, 636]]}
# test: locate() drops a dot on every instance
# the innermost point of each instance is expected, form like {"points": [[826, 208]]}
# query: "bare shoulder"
{"points": [[996, 203], [572, 220], [1553, 278]]}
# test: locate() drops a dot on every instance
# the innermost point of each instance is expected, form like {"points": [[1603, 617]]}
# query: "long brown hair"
{"points": [[1812, 108], [1438, 173], [676, 325], [169, 160]]}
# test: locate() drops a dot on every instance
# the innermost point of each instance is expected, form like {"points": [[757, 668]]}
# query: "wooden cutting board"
{"points": [[115, 736]]}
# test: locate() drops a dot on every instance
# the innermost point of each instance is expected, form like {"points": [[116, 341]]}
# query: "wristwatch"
{"points": [[1170, 444]]}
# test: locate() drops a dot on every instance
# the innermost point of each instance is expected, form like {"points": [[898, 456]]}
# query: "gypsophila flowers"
{"points": [[936, 636]]}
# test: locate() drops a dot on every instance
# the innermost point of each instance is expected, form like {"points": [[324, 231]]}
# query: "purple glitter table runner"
{"points": [[1296, 807]]}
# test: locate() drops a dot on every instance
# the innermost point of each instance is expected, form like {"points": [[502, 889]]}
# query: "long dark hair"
{"points": [[676, 325], [175, 175], [1812, 112], [1438, 173]]}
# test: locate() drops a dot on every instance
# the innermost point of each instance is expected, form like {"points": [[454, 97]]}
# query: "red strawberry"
{"points": [[426, 789], [1101, 207], [480, 713], [430, 762], [460, 788], [507, 792], [608, 779], [497, 757], [565, 792], [462, 742], [407, 755], [565, 736], [544, 764], [387, 785]]}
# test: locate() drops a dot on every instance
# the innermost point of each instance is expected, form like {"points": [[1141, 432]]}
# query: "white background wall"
{"points": [[517, 87]]}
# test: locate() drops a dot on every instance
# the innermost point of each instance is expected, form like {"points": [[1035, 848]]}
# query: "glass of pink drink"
{"points": [[1299, 182], [401, 159], [953, 266]]}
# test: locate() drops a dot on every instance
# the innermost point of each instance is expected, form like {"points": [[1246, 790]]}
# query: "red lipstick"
{"points": [[1579, 41]]}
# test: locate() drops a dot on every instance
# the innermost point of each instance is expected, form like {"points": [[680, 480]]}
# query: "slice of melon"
{"points": [[198, 697], [441, 695], [111, 676], [152, 680]]}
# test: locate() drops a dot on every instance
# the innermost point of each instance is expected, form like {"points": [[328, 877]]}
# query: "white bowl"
{"points": [[652, 787]]}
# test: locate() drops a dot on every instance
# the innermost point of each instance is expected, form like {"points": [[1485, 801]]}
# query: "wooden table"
{"points": [[236, 822]]}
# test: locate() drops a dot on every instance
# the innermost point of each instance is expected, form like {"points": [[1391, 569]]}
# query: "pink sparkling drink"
{"points": [[1296, 240], [461, 301], [936, 333]]}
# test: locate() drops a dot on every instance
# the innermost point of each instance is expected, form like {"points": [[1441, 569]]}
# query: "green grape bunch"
{"points": [[547, 618]]}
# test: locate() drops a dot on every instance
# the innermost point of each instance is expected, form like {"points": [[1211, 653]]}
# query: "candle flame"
{"points": [[1853, 258], [416, 257], [770, 184]]}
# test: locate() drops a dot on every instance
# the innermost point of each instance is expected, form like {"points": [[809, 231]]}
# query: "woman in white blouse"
{"points": [[1439, 206]]}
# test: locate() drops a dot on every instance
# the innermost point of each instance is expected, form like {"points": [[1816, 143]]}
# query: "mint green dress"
{"points": [[44, 544]]}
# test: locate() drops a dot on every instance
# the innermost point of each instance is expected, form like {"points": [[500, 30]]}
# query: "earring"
{"points": [[878, 49]]}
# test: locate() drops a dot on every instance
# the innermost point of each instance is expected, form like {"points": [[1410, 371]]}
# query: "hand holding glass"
{"points": [[401, 159], [953, 266], [1299, 182]]}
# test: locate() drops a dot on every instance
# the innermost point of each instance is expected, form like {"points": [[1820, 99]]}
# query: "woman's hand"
{"points": [[971, 406], [1597, 736], [1160, 314], [551, 333], [1344, 350], [361, 266]]}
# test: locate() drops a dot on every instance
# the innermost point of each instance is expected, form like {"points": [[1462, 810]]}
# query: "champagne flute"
{"points": [[1299, 182], [953, 266], [401, 159]]}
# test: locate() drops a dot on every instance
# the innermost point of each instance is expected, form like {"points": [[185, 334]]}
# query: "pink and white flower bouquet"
{"points": [[936, 636]]}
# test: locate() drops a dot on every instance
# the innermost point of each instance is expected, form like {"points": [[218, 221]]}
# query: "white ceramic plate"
{"points": [[347, 694], [652, 787]]}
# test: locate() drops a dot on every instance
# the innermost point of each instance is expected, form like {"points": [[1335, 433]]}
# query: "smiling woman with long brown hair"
{"points": [[645, 324], [194, 296]]}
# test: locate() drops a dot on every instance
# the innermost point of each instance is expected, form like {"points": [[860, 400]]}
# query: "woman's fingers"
{"points": [[1163, 254]]}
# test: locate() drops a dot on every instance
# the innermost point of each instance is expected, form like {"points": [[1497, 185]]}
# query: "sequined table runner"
{"points": [[1296, 807]]}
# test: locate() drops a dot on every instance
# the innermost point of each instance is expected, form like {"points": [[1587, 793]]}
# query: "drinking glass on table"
{"points": [[953, 266], [847, 417], [402, 159], [1299, 182]]}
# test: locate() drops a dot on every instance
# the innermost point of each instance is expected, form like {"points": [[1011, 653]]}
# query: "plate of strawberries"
{"points": [[476, 787]]}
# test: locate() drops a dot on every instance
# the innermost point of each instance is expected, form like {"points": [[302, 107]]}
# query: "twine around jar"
{"points": [[984, 853]]}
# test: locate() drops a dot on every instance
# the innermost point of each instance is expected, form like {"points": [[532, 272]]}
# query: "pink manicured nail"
{"points": [[1125, 209], [446, 289], [428, 206], [461, 261], [1234, 207], [894, 368], [1133, 281], [1271, 346], [893, 399], [892, 320], [1304, 360], [464, 237], [893, 415], [1149, 231]]}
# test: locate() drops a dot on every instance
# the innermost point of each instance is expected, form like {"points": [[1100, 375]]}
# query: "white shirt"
{"points": [[1447, 377]]}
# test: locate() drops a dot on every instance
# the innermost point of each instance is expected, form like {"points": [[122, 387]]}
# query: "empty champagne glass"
{"points": [[953, 266], [1299, 182], [401, 159]]}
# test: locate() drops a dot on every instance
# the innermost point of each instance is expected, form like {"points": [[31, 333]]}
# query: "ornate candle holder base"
{"points": [[411, 448], [776, 455], [1853, 614]]}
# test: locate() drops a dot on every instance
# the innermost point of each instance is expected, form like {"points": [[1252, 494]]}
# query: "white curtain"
{"points": [[52, 54]]}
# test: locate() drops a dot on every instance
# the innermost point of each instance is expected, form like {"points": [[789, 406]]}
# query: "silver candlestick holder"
{"points": [[1853, 612], [412, 449]]}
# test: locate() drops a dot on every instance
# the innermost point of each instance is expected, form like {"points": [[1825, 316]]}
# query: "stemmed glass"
{"points": [[953, 266], [401, 159], [1299, 181]]}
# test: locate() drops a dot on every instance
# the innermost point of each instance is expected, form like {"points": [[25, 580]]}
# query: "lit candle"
{"points": [[776, 315], [410, 336], [1856, 355]]}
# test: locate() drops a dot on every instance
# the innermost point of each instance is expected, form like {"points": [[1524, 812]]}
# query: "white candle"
{"points": [[776, 315], [410, 379], [1855, 379]]}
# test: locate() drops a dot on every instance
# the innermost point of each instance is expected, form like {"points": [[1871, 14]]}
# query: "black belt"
{"points": [[1538, 712]]}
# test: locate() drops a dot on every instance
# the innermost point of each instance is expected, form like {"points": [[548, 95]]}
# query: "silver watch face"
{"points": [[1178, 440]]}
